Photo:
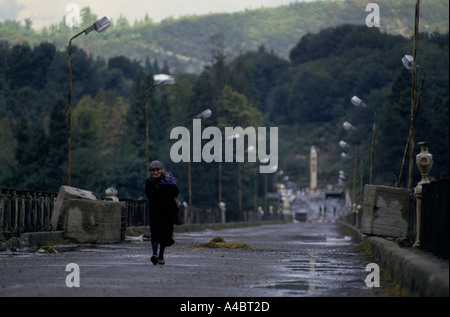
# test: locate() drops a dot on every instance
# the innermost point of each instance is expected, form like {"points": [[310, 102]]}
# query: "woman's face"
{"points": [[156, 172]]}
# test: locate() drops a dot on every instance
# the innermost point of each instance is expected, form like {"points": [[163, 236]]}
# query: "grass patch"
{"points": [[219, 242]]}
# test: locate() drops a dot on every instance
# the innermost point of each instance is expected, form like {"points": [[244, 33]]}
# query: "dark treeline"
{"points": [[307, 97]]}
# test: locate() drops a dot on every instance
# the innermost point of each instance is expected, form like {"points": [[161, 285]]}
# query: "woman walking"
{"points": [[161, 190]]}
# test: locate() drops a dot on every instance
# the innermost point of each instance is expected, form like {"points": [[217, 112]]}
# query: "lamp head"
{"points": [[204, 114], [358, 102], [163, 79], [343, 144], [99, 26], [102, 24], [408, 61], [348, 126]]}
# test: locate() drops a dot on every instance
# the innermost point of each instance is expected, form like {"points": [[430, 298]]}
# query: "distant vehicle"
{"points": [[301, 216], [332, 192]]}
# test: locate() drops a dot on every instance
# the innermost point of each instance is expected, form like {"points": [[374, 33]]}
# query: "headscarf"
{"points": [[156, 164], [166, 178]]}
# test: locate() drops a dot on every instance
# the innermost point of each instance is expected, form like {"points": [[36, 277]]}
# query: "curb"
{"points": [[31, 240], [37, 239], [416, 270]]}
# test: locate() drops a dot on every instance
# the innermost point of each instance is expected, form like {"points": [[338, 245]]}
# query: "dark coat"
{"points": [[162, 208]]}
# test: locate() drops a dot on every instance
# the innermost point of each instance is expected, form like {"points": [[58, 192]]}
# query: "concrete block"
{"points": [[65, 194], [386, 211], [89, 221]]}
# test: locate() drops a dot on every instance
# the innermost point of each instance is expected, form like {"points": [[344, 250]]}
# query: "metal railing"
{"points": [[25, 211], [137, 212]]}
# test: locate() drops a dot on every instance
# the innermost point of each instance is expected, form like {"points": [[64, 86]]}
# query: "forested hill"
{"points": [[187, 43]]}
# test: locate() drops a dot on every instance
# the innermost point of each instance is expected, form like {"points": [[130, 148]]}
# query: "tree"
{"points": [[135, 116], [56, 159], [234, 110], [87, 161], [22, 154], [7, 161], [111, 109]]}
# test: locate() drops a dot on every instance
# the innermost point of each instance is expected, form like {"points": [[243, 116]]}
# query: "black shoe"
{"points": [[161, 261], [154, 260]]}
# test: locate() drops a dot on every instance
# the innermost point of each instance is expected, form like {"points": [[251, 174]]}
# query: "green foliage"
{"points": [[306, 96]]}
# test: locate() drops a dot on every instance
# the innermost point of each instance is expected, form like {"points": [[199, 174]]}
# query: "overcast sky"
{"points": [[46, 12]]}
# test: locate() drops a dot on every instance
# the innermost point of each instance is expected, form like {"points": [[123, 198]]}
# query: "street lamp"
{"points": [[349, 127], [99, 26], [202, 115], [160, 79], [358, 102], [409, 62], [251, 149], [231, 137], [344, 155], [343, 144]]}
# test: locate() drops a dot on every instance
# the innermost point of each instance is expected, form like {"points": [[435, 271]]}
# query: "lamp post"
{"points": [[99, 26], [231, 137], [344, 155], [358, 102], [410, 64], [160, 79], [202, 115], [349, 127]]}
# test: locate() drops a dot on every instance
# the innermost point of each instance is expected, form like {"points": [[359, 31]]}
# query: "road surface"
{"points": [[310, 258]]}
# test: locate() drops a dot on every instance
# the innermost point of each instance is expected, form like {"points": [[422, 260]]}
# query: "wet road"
{"points": [[296, 259]]}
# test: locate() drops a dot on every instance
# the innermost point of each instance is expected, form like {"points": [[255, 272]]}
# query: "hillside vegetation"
{"points": [[306, 94], [187, 43]]}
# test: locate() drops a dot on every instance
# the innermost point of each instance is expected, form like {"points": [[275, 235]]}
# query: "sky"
{"points": [[45, 12]]}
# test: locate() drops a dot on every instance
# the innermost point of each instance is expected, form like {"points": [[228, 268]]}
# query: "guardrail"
{"points": [[137, 212], [25, 211]]}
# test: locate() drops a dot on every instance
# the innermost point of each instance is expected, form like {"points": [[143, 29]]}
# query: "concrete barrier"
{"points": [[88, 221], [84, 219], [64, 195], [386, 211]]}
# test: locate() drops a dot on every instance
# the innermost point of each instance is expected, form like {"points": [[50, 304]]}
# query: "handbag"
{"points": [[178, 221]]}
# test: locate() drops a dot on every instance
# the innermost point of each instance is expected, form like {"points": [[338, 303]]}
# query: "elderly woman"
{"points": [[161, 191]]}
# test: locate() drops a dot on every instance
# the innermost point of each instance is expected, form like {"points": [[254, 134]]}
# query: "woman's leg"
{"points": [[155, 251], [161, 254]]}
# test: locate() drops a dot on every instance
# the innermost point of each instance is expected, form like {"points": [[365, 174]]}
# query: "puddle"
{"points": [[295, 285], [322, 240], [313, 273]]}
